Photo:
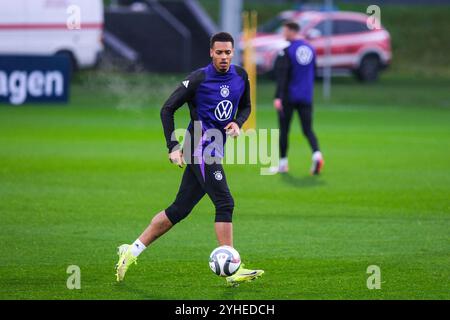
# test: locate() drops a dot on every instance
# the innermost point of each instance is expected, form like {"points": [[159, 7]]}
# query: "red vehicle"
{"points": [[354, 47]]}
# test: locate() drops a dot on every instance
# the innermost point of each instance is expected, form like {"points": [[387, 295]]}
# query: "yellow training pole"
{"points": [[250, 25]]}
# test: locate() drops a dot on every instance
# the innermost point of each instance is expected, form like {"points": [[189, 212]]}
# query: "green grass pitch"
{"points": [[76, 181]]}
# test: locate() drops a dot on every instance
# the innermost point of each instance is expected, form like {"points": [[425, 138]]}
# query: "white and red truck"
{"points": [[53, 27]]}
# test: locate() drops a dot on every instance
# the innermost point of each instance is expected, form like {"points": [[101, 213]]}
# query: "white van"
{"points": [[53, 27]]}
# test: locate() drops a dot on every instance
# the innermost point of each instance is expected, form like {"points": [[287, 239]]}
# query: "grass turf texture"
{"points": [[78, 180]]}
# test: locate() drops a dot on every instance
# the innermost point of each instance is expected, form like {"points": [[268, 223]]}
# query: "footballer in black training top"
{"points": [[218, 97]]}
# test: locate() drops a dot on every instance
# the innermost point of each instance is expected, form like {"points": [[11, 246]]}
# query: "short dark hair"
{"points": [[291, 25], [221, 37]]}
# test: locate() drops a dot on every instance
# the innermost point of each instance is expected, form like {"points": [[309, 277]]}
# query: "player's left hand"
{"points": [[278, 104], [232, 129]]}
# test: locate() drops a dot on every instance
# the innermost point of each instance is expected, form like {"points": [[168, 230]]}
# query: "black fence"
{"points": [[169, 36]]}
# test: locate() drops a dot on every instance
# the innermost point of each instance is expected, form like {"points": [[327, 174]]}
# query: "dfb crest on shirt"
{"points": [[224, 91], [223, 110], [304, 55]]}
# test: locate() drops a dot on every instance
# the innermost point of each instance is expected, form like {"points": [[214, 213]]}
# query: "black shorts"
{"points": [[198, 180]]}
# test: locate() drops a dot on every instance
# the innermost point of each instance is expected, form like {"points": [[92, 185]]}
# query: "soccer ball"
{"points": [[224, 261]]}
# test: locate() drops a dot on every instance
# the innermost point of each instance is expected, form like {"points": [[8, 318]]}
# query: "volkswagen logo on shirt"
{"points": [[304, 55], [223, 110]]}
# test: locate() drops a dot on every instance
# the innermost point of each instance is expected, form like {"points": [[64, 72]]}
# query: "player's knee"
{"points": [[175, 214], [224, 210]]}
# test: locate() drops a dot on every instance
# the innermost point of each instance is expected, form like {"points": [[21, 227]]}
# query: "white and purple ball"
{"points": [[224, 261]]}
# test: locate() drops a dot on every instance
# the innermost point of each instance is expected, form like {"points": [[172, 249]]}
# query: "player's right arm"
{"points": [[185, 92]]}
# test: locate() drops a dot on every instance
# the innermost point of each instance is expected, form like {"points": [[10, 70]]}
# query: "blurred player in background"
{"points": [[295, 70], [218, 97]]}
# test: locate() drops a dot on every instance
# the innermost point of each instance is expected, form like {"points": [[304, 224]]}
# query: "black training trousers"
{"points": [[198, 180], [305, 112]]}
